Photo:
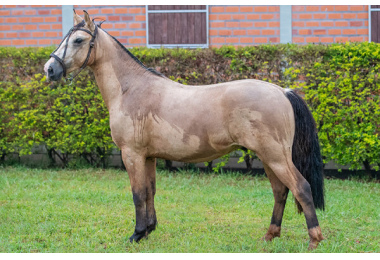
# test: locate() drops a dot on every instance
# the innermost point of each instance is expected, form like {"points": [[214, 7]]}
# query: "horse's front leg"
{"points": [[150, 168], [136, 168]]}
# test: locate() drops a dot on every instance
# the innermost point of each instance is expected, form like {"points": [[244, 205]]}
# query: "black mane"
{"points": [[134, 57]]}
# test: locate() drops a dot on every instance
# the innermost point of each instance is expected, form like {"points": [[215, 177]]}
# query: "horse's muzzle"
{"points": [[54, 71]]}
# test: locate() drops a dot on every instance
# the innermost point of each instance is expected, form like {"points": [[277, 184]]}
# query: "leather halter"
{"points": [[92, 44]]}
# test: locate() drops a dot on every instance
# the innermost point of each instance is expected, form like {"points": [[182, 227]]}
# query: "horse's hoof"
{"points": [[137, 236], [274, 231], [267, 238], [315, 237], [151, 228], [312, 245]]}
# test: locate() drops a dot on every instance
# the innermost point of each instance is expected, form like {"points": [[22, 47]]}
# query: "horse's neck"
{"points": [[116, 72]]}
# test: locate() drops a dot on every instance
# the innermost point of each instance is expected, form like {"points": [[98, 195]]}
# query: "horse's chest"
{"points": [[122, 129]]}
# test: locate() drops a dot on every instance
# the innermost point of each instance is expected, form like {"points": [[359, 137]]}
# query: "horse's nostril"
{"points": [[50, 70]]}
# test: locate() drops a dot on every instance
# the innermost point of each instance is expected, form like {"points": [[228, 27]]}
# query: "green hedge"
{"points": [[343, 92], [340, 83], [71, 120]]}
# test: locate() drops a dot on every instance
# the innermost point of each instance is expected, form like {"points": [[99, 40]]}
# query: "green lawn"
{"points": [[92, 211]]}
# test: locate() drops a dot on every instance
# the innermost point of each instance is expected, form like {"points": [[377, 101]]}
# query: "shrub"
{"points": [[339, 82], [343, 89], [68, 119]]}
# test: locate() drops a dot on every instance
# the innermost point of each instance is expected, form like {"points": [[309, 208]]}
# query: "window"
{"points": [[374, 23], [177, 26]]}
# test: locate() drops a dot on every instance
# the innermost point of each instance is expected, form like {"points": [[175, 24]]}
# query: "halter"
{"points": [[92, 44]]}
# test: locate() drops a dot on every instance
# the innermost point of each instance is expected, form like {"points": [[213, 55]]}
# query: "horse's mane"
{"points": [[134, 57]]}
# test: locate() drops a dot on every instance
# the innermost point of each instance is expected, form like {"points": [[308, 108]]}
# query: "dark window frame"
{"points": [[373, 31]]}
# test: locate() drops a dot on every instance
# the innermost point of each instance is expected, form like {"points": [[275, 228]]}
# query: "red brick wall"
{"points": [[232, 25], [125, 23], [42, 25], [244, 25], [331, 23], [30, 25]]}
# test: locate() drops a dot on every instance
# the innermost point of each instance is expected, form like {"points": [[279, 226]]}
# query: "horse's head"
{"points": [[75, 49]]}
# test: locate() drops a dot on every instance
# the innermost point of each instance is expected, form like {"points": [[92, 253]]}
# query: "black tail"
{"points": [[306, 153]]}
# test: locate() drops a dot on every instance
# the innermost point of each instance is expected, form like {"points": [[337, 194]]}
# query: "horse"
{"points": [[153, 117]]}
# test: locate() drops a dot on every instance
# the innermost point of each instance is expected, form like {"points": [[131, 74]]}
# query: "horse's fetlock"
{"points": [[138, 235], [151, 227], [316, 236], [273, 231]]}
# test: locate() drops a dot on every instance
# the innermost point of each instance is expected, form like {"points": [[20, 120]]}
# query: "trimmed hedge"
{"points": [[343, 91], [340, 83]]}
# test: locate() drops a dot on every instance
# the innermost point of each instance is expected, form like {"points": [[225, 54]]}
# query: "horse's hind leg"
{"points": [[280, 192], [288, 174], [277, 158]]}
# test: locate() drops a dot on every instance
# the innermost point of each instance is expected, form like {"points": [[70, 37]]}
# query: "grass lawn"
{"points": [[92, 210]]}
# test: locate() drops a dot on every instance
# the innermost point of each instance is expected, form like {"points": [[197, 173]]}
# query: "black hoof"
{"points": [[151, 228], [137, 236]]}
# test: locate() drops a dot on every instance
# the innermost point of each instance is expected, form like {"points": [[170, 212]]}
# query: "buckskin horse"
{"points": [[153, 117]]}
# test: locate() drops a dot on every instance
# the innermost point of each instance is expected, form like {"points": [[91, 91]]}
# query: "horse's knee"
{"points": [[139, 198]]}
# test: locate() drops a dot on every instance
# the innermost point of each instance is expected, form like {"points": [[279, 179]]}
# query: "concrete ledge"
{"points": [[41, 159]]}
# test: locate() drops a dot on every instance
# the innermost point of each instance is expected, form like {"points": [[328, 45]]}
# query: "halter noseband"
{"points": [[92, 44]]}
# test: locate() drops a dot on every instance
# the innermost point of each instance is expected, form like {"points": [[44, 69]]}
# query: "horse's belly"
{"points": [[174, 143], [189, 154]]}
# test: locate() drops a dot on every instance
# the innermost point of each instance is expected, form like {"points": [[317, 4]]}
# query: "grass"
{"points": [[91, 210]]}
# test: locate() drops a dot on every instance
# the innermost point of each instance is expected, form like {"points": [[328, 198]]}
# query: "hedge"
{"points": [[343, 92], [340, 83]]}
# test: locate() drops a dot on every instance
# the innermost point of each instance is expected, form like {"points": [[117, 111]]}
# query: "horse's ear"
{"points": [[77, 18], [88, 21]]}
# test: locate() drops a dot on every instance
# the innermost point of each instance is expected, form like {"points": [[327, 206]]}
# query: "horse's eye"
{"points": [[78, 40]]}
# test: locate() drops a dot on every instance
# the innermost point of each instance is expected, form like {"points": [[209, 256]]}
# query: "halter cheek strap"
{"points": [[92, 44]]}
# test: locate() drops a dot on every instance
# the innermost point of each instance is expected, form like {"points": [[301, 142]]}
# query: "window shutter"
{"points": [[375, 23], [177, 25]]}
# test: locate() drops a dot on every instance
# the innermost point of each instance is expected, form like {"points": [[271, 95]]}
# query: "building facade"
{"points": [[195, 26]]}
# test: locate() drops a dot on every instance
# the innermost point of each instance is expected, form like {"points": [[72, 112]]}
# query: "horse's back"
{"points": [[219, 117]]}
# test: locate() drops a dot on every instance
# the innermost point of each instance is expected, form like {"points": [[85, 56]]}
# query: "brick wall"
{"points": [[244, 25], [42, 25], [331, 23], [30, 25], [232, 25], [125, 23]]}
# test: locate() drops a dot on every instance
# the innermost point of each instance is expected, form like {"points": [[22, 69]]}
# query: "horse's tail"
{"points": [[306, 154]]}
